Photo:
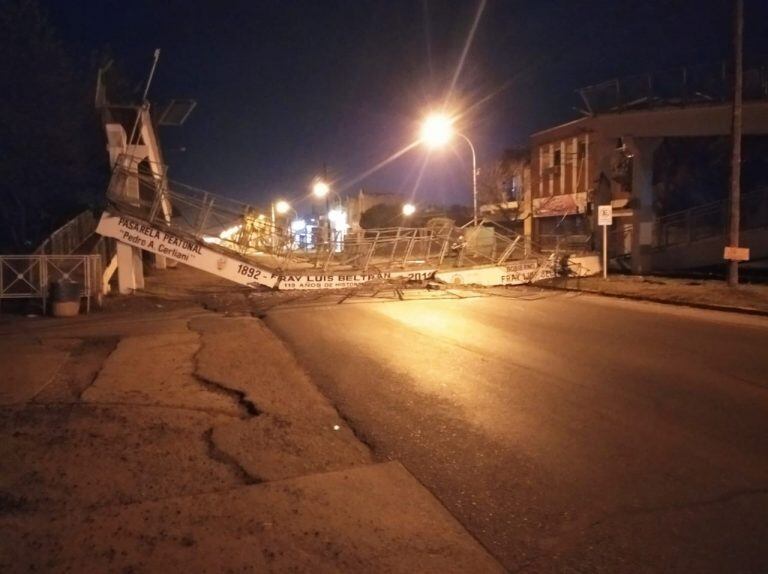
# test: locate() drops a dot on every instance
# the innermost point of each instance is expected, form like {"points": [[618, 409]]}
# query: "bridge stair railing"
{"points": [[710, 220], [385, 248], [188, 211], [238, 228], [490, 243]]}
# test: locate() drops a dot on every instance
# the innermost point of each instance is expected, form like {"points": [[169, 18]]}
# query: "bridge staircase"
{"points": [[695, 238]]}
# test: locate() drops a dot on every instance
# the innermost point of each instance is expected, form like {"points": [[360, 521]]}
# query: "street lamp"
{"points": [[436, 131], [409, 209], [320, 189], [282, 207]]}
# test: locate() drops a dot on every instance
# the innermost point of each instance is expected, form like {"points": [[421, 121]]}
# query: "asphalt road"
{"points": [[567, 433]]}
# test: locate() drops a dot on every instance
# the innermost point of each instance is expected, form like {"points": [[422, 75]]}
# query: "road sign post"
{"points": [[604, 219]]}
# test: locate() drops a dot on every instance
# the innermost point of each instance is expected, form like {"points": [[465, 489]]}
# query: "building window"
{"points": [[558, 159]]}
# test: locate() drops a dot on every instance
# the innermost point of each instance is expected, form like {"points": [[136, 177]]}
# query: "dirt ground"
{"points": [[667, 289]]}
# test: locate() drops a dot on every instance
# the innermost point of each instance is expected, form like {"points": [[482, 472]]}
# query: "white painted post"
{"points": [[604, 219], [605, 252], [125, 277], [138, 269]]}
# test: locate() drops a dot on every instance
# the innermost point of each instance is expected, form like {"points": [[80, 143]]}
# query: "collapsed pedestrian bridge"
{"points": [[239, 242]]}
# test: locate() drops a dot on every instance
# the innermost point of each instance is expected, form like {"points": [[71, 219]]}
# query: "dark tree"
{"points": [[501, 181], [53, 161], [381, 215]]}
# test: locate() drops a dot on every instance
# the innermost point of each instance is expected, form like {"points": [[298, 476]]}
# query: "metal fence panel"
{"points": [[31, 276]]}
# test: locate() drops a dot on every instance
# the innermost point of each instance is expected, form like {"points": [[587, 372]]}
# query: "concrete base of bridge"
{"points": [[130, 270]]}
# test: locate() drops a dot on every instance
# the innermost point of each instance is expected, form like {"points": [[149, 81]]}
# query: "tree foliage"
{"points": [[53, 162], [496, 182], [381, 215]]}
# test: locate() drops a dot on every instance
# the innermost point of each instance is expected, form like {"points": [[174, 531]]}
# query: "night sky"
{"points": [[285, 86]]}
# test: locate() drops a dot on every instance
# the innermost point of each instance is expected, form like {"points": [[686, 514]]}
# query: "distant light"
{"points": [[336, 215], [282, 207], [437, 130], [228, 234], [298, 225], [321, 188], [336, 427], [409, 209]]}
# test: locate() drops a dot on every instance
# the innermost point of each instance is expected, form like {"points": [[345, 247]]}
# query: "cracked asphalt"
{"points": [[163, 437], [567, 433]]}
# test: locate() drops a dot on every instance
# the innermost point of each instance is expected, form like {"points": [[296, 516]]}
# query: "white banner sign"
{"points": [[142, 235], [346, 280], [514, 273], [139, 234]]}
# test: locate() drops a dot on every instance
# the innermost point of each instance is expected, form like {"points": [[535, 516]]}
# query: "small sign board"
{"points": [[736, 253], [604, 214]]}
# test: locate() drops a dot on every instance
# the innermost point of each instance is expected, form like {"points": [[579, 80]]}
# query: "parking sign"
{"points": [[604, 214]]}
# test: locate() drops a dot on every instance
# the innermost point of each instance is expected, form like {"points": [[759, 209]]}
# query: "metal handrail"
{"points": [[710, 219], [703, 84], [244, 229]]}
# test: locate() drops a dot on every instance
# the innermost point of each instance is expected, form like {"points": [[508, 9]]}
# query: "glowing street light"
{"points": [[436, 131], [320, 189], [282, 207], [409, 209]]}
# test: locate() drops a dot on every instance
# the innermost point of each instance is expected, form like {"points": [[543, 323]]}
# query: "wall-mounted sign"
{"points": [[559, 205]]}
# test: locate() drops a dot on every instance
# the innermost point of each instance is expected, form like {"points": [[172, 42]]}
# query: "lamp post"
{"points": [[322, 189], [283, 208], [436, 131]]}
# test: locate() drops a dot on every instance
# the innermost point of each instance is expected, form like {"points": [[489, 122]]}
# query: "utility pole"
{"points": [[738, 41], [327, 207]]}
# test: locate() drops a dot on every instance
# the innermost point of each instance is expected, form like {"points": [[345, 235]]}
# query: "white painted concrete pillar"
{"points": [[138, 269], [130, 272], [642, 150], [159, 261]]}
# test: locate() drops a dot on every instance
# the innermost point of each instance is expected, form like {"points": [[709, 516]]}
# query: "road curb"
{"points": [[707, 306]]}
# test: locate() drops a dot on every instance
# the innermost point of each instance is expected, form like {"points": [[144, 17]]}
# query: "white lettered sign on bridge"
{"points": [[139, 234], [348, 279], [142, 235]]}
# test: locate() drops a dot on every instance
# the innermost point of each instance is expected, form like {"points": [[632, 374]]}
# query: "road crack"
{"points": [[79, 370], [247, 407], [217, 454]]}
